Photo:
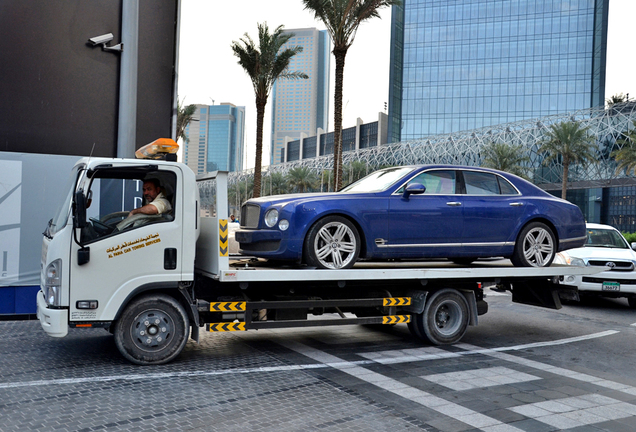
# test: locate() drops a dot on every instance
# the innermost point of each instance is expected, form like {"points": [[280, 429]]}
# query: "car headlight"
{"points": [[283, 224], [52, 288], [564, 258], [271, 217]]}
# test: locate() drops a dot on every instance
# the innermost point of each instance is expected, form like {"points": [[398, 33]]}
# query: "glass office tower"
{"points": [[464, 64], [302, 106], [216, 138]]}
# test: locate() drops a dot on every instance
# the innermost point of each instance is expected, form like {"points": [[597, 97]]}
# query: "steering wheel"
{"points": [[100, 227], [136, 220]]}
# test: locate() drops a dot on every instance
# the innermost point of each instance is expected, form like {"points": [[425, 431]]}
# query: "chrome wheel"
{"points": [[332, 243], [535, 247], [538, 247], [335, 245]]}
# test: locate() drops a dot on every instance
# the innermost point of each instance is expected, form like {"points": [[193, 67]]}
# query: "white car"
{"points": [[605, 247]]}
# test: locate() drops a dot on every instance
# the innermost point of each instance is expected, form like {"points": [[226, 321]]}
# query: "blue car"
{"points": [[412, 212]]}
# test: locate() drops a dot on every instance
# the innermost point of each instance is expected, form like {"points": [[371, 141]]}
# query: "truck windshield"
{"points": [[63, 211]]}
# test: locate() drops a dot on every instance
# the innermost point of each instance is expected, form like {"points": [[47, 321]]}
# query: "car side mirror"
{"points": [[634, 246], [413, 189], [79, 209]]}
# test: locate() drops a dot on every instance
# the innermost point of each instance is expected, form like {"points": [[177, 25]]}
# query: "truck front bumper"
{"points": [[53, 321]]}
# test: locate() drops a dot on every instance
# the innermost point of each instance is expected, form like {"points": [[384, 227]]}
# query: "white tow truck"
{"points": [[155, 280]]}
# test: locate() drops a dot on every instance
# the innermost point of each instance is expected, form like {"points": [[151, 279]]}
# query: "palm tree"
{"points": [[505, 157], [302, 179], [342, 19], [185, 115], [626, 156], [264, 64], [355, 171], [616, 99], [277, 184], [572, 143]]}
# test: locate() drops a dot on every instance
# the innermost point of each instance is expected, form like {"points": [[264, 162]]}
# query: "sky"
{"points": [[209, 72]]}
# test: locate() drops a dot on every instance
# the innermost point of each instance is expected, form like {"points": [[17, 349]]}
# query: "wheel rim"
{"points": [[335, 245], [538, 247], [152, 330], [448, 318]]}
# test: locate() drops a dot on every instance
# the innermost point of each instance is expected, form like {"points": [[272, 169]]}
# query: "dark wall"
{"points": [[59, 95]]}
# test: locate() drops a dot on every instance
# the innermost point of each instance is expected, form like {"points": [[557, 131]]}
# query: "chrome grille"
{"points": [[250, 215], [614, 265]]}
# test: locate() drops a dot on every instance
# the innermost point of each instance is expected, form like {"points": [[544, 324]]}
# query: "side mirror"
{"points": [[413, 189], [79, 209], [633, 245]]}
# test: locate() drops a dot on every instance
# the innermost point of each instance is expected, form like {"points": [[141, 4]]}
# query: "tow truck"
{"points": [[155, 281]]}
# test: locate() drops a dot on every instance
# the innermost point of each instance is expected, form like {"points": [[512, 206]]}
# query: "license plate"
{"points": [[611, 286]]}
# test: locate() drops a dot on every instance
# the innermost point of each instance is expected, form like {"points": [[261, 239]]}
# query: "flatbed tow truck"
{"points": [[155, 281]]}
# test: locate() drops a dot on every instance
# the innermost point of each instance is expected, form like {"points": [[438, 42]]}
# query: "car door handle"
{"points": [[453, 203], [516, 204]]}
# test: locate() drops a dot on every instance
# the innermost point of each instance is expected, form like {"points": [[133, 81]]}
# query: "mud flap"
{"points": [[541, 292]]}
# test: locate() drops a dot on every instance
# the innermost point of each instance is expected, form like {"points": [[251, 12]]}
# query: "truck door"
{"points": [[124, 253]]}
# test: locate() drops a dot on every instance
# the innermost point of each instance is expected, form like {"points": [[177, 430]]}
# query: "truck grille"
{"points": [[614, 265], [250, 215]]}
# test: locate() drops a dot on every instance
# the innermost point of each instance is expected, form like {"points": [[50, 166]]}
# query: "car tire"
{"points": [[152, 330], [445, 318], [535, 247], [332, 243]]}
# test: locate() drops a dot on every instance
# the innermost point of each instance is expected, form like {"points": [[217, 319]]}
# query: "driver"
{"points": [[156, 202]]}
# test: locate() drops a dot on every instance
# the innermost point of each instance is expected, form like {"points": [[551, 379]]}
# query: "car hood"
{"points": [[301, 198], [601, 253]]}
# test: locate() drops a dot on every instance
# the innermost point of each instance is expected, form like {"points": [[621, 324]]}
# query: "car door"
{"points": [[427, 224], [492, 211]]}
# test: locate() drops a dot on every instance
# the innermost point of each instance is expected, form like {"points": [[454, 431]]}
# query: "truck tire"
{"points": [[152, 330], [444, 319], [535, 247], [332, 243]]}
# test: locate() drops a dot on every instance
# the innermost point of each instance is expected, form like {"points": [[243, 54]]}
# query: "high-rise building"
{"points": [[463, 64], [301, 106], [216, 138]]}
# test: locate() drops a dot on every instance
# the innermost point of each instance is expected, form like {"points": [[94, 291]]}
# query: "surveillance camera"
{"points": [[102, 39]]}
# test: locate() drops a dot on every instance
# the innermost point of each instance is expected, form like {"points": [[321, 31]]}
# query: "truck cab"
{"points": [[96, 257]]}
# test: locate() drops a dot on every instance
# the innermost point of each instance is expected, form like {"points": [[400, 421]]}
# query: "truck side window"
{"points": [[113, 199]]}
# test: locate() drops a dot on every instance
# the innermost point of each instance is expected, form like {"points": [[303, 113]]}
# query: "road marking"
{"points": [[633, 324], [431, 353], [428, 400]]}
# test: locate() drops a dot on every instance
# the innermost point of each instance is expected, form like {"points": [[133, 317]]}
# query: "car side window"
{"points": [[439, 182], [480, 183], [505, 187]]}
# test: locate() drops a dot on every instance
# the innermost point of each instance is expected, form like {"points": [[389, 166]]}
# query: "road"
{"points": [[521, 369]]}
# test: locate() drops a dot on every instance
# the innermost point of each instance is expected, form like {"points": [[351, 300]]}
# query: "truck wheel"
{"points": [[445, 318], [152, 330], [535, 246], [332, 243]]}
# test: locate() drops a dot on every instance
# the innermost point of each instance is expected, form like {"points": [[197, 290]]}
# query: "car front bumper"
{"points": [[610, 283]]}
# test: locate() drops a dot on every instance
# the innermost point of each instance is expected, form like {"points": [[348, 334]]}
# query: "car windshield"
{"points": [[605, 238], [378, 181]]}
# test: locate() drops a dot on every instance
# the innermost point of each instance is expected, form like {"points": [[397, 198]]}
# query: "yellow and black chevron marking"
{"points": [[227, 307], [397, 301], [223, 238], [396, 319], [226, 327]]}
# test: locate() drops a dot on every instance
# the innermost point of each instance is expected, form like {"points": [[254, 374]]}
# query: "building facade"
{"points": [[358, 137], [459, 65], [302, 106], [216, 138]]}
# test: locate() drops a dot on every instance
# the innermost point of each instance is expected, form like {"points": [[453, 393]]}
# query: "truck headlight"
{"points": [[53, 283], [271, 217]]}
